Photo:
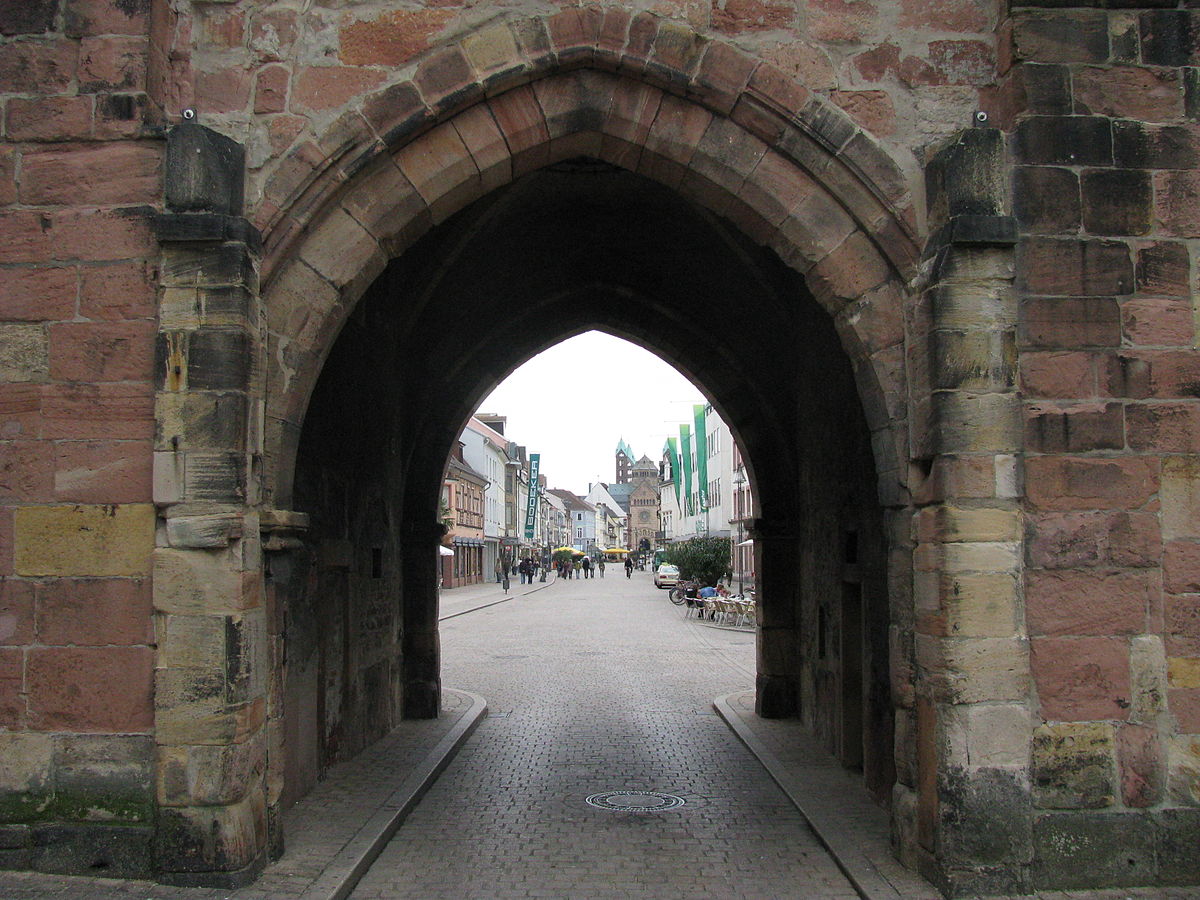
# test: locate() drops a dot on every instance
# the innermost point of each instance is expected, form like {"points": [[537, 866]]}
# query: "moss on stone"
{"points": [[109, 807]]}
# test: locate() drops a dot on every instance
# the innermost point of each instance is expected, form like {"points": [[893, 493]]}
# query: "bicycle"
{"points": [[678, 593]]}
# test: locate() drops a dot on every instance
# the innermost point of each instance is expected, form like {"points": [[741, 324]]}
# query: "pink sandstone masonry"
{"points": [[992, 206]]}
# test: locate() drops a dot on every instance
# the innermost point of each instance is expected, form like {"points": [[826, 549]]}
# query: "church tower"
{"points": [[624, 462]]}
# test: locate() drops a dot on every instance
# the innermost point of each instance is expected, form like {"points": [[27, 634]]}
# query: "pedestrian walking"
{"points": [[600, 566], [577, 569], [587, 567]]}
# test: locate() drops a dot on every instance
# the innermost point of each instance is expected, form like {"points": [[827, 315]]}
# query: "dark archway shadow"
{"points": [[577, 246]]}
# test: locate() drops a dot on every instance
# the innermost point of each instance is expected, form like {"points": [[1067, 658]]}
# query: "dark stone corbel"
{"points": [[282, 529], [205, 171], [205, 189], [966, 187]]}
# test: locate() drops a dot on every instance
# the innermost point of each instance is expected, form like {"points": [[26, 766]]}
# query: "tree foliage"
{"points": [[703, 559]]}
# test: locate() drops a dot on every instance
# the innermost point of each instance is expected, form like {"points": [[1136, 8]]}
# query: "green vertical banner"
{"points": [[701, 457], [676, 472], [685, 448], [535, 460]]}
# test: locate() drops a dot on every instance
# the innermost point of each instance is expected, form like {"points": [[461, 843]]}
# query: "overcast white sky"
{"points": [[575, 422]]}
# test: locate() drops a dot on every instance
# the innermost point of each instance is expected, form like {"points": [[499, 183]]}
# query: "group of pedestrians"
{"points": [[580, 567], [527, 568]]}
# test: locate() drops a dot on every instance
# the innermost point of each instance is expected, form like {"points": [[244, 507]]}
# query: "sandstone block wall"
{"points": [[80, 172], [1101, 110], [1030, 384]]}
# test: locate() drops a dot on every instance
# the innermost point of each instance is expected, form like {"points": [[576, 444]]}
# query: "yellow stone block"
{"points": [[961, 605], [196, 642], [1183, 769], [84, 540], [1183, 672], [25, 762], [1179, 495], [201, 582], [982, 556], [490, 48], [949, 523]]}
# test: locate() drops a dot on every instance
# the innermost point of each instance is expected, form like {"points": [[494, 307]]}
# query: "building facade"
{"points": [[558, 523], [643, 512], [485, 450], [463, 499], [582, 518], [696, 493], [611, 517]]}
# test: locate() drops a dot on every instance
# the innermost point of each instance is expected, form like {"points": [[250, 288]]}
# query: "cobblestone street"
{"points": [[600, 685]]}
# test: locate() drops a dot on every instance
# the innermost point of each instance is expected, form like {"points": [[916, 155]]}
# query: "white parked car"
{"points": [[666, 576]]}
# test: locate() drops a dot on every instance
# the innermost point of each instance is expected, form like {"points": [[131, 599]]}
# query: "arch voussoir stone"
{"points": [[347, 256], [441, 169], [574, 102], [847, 273], [876, 318], [721, 77], [813, 230], [524, 128], [632, 111], [776, 188], [392, 225], [672, 140], [485, 142], [726, 155]]}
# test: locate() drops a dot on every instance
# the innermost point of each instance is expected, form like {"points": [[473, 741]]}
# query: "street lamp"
{"points": [[739, 480]]}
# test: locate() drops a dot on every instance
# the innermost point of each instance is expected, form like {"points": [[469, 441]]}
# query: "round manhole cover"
{"points": [[635, 801]]}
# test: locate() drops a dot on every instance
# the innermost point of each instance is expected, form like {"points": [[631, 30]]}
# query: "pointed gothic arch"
{"points": [[728, 133]]}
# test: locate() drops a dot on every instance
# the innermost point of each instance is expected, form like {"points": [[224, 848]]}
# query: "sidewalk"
{"points": [[456, 601], [854, 830]]}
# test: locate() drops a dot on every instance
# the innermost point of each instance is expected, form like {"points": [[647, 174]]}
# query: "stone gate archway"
{"points": [[732, 136], [584, 245]]}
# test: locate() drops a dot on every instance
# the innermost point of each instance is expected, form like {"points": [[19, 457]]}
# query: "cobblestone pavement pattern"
{"points": [[600, 685], [593, 685]]}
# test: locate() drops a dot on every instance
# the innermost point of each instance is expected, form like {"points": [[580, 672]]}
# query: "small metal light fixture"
{"points": [[189, 114], [979, 119]]}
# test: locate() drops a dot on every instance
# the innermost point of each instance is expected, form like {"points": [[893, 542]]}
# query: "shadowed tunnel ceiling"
{"points": [[577, 246]]}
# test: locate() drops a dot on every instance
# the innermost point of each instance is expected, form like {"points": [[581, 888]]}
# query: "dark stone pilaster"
{"points": [[777, 548], [420, 663]]}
